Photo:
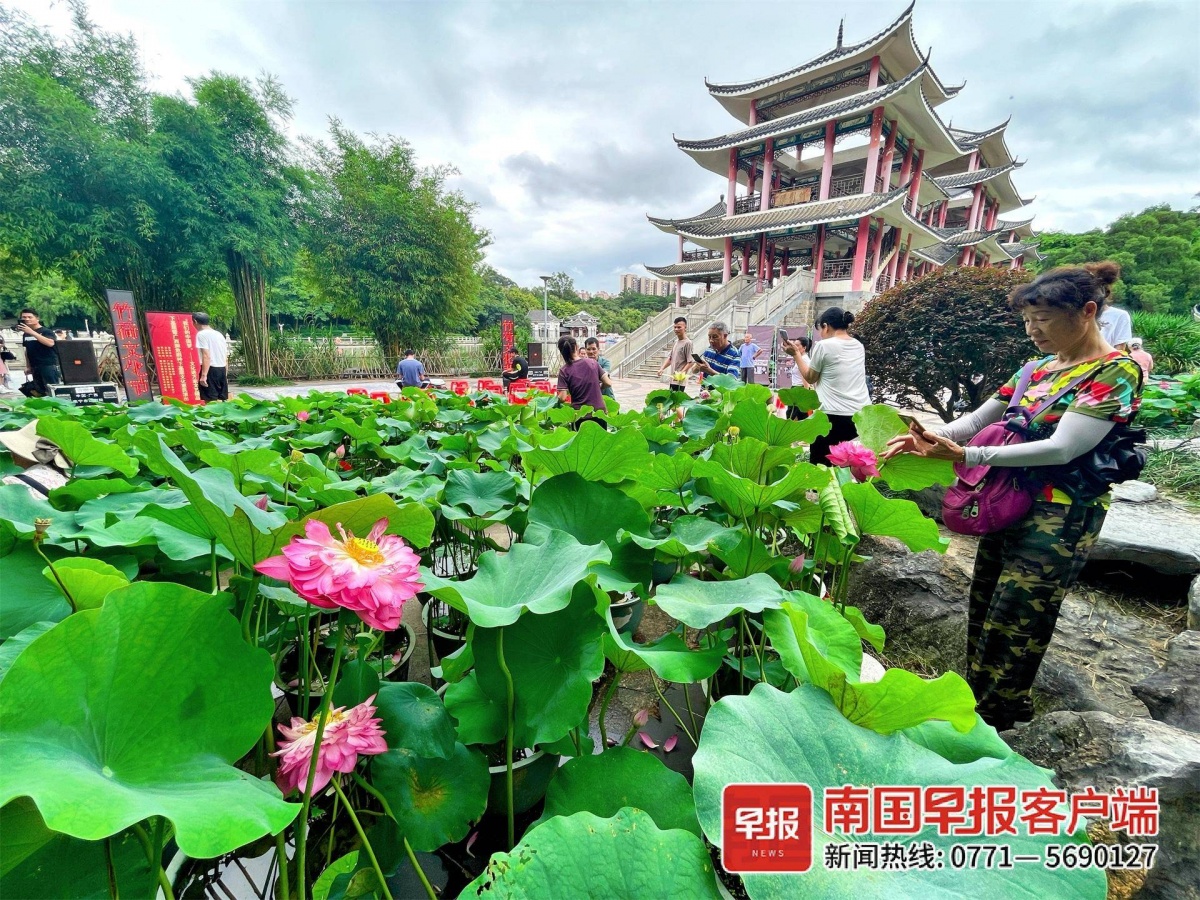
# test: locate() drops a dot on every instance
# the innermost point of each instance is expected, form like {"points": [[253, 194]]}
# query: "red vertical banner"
{"points": [[508, 339], [128, 337], [173, 342]]}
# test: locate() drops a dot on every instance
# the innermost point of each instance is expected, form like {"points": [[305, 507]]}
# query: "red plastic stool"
{"points": [[460, 387], [381, 396], [360, 391]]}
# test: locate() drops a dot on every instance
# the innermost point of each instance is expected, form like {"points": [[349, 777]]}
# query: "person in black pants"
{"points": [[41, 359], [837, 369]]}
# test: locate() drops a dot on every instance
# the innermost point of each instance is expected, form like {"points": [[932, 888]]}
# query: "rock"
{"points": [[1135, 492], [1193, 614], [1157, 534], [1105, 752], [920, 599], [1173, 694]]}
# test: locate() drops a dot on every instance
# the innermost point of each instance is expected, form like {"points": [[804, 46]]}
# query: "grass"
{"points": [[255, 381], [1176, 472]]}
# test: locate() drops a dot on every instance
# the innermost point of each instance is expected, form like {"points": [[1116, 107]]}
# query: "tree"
{"points": [[82, 191], [946, 337], [229, 150], [390, 240], [1158, 250]]}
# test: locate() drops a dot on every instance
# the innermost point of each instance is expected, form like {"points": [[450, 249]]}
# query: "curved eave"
{"points": [[716, 211], [1021, 249], [697, 269], [990, 143], [1022, 228], [736, 97], [962, 239], [904, 100], [962, 181]]}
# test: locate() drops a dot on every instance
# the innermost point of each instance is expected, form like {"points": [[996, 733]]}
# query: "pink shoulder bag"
{"points": [[986, 499]]}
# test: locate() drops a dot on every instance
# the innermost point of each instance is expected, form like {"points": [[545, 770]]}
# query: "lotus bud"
{"points": [[641, 717], [704, 395], [261, 502], [340, 452], [302, 415], [796, 566]]}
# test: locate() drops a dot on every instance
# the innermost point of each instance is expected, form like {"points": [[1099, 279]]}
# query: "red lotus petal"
{"points": [[470, 842], [669, 743], [647, 740]]}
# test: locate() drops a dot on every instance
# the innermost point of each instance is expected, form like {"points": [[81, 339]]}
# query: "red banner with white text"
{"points": [[173, 342]]}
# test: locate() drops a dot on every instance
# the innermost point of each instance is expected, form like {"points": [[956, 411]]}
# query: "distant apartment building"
{"points": [[584, 295], [602, 295], [654, 287]]}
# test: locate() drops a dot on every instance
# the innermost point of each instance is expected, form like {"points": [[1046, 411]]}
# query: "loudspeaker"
{"points": [[533, 353], [86, 394], [77, 360]]}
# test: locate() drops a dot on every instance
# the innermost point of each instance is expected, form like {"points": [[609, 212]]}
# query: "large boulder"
{"points": [[1161, 535], [1095, 749], [1173, 693], [1193, 613], [920, 599]]}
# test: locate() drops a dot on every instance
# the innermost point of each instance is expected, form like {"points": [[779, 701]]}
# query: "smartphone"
{"points": [[697, 357], [912, 422], [783, 336]]}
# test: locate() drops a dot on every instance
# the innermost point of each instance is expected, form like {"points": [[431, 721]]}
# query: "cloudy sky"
{"points": [[559, 115]]}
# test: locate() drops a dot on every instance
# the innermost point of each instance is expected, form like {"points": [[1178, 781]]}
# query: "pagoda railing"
{"points": [[879, 188], [845, 187], [747, 204], [837, 270], [695, 255]]}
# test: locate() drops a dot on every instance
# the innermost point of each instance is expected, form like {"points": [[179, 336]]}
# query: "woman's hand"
{"points": [[925, 444]]}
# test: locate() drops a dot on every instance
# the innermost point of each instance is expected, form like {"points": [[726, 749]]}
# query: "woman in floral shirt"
{"points": [[1023, 572]]}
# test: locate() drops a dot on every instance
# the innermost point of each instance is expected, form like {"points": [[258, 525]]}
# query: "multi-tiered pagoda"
{"points": [[906, 193]]}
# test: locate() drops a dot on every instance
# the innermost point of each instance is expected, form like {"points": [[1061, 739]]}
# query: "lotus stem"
{"points": [[667, 704], [508, 741], [608, 695], [362, 836], [154, 857], [412, 858], [110, 867], [37, 545], [687, 698], [212, 564], [281, 856], [322, 716]]}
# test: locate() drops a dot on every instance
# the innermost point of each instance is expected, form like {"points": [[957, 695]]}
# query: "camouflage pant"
{"points": [[1021, 576]]}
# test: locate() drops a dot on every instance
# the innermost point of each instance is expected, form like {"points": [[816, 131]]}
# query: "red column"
{"points": [[762, 261], [976, 207], [827, 164], [727, 263], [942, 214], [768, 175], [860, 253], [771, 265], [914, 187], [889, 149], [680, 248], [964, 258], [783, 264], [973, 161], [818, 257], [873, 74], [1012, 236], [678, 290], [875, 245], [751, 180], [873, 151], [906, 166], [906, 263], [992, 213], [895, 260], [1013, 265], [753, 112], [731, 194]]}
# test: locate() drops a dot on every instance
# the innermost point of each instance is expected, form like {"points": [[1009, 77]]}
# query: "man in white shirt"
{"points": [[1116, 327], [214, 358]]}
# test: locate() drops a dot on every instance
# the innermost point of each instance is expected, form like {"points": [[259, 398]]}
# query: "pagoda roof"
{"points": [[945, 252], [1022, 228], [895, 45], [890, 206], [671, 225], [990, 143], [907, 100], [1002, 184], [1020, 248], [966, 238], [695, 269]]}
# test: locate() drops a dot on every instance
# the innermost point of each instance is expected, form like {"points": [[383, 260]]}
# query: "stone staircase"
{"points": [[734, 303]]}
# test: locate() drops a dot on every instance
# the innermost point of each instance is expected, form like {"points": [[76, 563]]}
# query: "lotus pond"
{"points": [[218, 592]]}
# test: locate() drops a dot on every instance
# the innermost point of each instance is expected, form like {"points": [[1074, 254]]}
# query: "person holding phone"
{"points": [[795, 413], [721, 357], [837, 369]]}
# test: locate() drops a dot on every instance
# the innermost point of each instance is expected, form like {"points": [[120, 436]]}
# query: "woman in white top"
{"points": [[837, 368]]}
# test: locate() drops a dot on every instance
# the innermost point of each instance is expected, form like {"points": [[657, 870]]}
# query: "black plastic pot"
{"points": [[627, 614], [444, 642]]}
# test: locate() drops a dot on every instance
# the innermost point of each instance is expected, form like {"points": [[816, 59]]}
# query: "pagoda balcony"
{"points": [[694, 255], [747, 204], [846, 187]]}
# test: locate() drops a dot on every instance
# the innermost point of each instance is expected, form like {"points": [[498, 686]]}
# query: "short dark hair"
{"points": [[410, 352], [836, 318], [32, 312], [568, 348], [1068, 287], [679, 319], [590, 341], [806, 342], [200, 318]]}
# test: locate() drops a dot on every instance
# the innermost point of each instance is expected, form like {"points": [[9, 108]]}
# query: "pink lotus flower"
{"points": [[371, 576], [860, 459], [796, 566], [348, 735], [261, 502], [302, 415]]}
